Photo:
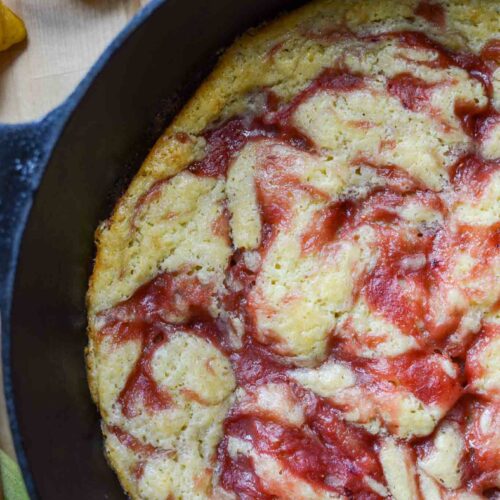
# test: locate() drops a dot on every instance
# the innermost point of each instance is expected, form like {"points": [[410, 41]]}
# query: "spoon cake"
{"points": [[297, 297]]}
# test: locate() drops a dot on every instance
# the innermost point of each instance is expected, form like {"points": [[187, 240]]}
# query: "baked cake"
{"points": [[298, 295]]}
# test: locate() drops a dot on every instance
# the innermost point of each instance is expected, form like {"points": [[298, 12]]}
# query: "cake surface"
{"points": [[298, 295]]}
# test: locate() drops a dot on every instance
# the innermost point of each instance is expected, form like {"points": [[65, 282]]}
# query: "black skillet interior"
{"points": [[131, 99]]}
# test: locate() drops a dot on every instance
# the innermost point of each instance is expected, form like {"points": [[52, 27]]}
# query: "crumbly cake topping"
{"points": [[322, 319]]}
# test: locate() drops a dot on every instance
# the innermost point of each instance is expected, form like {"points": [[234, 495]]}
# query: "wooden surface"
{"points": [[64, 38]]}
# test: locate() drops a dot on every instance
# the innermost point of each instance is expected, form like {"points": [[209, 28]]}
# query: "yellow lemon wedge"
{"points": [[12, 28]]}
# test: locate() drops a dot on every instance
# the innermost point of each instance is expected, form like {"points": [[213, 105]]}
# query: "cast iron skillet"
{"points": [[78, 160]]}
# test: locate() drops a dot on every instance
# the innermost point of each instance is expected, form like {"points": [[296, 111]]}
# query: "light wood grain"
{"points": [[65, 37]]}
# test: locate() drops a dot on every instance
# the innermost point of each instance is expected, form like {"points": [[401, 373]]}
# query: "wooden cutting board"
{"points": [[65, 37]]}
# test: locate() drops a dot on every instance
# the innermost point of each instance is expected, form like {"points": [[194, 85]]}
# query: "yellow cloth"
{"points": [[12, 29]]}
